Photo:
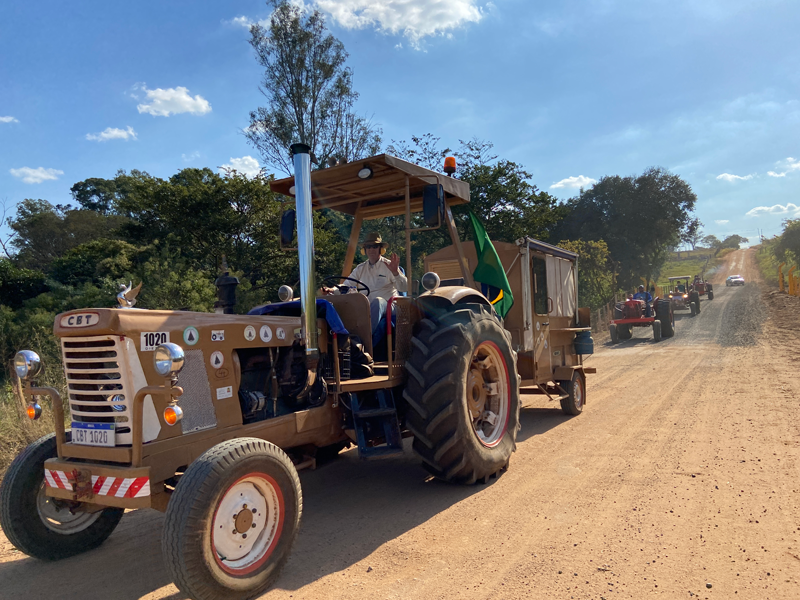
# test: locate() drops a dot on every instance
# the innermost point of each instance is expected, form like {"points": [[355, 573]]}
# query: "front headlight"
{"points": [[686, 295], [27, 364], [168, 359]]}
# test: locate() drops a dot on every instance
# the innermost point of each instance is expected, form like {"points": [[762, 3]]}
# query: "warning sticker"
{"points": [[190, 336], [225, 392], [218, 335], [266, 333], [249, 333], [280, 333], [217, 360]]}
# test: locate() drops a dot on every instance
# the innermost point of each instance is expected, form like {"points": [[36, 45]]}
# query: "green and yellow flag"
{"points": [[490, 272]]}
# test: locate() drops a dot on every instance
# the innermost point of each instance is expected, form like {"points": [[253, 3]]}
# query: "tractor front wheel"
{"points": [[463, 394], [232, 520], [656, 331], [41, 526], [624, 332], [614, 333], [665, 315]]}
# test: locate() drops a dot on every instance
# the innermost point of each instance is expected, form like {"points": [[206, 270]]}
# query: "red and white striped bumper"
{"points": [[117, 487]]}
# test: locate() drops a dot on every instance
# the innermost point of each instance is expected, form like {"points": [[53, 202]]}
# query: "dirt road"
{"points": [[681, 478]]}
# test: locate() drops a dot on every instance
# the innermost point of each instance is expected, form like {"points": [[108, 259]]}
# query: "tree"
{"points": [[711, 241], [692, 233], [596, 280], [18, 285], [309, 91], [733, 241], [788, 243], [639, 218]]}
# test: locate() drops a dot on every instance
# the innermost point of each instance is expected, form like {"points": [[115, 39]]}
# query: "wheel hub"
{"points": [[487, 394], [476, 393], [244, 520]]}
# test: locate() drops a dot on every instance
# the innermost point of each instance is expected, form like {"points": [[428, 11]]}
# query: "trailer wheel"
{"points": [[656, 331], [45, 527], [667, 318], [463, 394], [232, 520], [576, 390], [614, 333], [624, 332]]}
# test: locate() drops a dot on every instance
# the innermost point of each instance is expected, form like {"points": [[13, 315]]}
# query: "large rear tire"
{"points": [[232, 520], [576, 389], [667, 318], [463, 394], [45, 527]]}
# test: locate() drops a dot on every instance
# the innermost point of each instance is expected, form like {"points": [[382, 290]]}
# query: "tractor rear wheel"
{"points": [[463, 394], [614, 333], [576, 394], [232, 520], [665, 315], [656, 331], [45, 527]]}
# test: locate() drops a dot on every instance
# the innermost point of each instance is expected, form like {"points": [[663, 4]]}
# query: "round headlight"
{"points": [[285, 293], [430, 281], [27, 364], [168, 359]]}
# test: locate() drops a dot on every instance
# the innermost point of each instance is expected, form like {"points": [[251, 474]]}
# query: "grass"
{"points": [[691, 263], [16, 429]]}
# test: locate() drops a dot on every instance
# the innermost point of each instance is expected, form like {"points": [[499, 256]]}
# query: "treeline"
{"points": [[783, 248]]}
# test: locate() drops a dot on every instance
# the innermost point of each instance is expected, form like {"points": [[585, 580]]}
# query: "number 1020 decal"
{"points": [[151, 339]]}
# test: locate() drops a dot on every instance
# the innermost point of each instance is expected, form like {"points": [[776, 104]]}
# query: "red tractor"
{"points": [[702, 287], [639, 313]]}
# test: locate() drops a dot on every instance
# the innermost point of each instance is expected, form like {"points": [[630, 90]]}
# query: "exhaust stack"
{"points": [[305, 251]]}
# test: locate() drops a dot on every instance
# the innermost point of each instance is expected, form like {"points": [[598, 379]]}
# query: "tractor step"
{"points": [[376, 424]]}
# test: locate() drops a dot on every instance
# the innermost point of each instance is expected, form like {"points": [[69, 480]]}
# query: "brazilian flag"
{"points": [[490, 272]]}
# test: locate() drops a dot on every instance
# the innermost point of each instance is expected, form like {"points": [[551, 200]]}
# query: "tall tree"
{"points": [[309, 92], [639, 218], [692, 233]]}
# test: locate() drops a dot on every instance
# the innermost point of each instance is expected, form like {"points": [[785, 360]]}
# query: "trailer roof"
{"points": [[382, 195], [546, 248]]}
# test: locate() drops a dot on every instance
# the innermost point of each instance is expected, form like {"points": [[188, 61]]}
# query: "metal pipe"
{"points": [[305, 246], [58, 412]]}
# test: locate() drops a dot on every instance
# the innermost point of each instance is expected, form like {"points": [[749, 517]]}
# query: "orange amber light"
{"points": [[450, 164], [172, 414], [34, 411]]}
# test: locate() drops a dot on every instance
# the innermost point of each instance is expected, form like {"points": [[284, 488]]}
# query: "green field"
{"points": [[690, 263]]}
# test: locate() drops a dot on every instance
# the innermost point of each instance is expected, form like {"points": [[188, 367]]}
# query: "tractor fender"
{"points": [[454, 294]]}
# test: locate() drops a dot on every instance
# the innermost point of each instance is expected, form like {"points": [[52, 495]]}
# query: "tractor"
{"points": [[703, 288], [682, 296], [640, 313], [209, 416]]}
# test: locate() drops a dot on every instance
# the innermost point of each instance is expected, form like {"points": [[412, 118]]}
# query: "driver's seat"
{"points": [[353, 309]]}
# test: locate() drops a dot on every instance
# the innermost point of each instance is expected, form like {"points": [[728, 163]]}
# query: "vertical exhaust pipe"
{"points": [[305, 251]]}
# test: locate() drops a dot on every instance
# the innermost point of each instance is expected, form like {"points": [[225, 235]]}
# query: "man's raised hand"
{"points": [[394, 263]]}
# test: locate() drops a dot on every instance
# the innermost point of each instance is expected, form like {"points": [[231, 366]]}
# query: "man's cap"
{"points": [[641, 287], [374, 238]]}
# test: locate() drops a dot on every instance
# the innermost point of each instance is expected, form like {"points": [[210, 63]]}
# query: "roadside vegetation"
{"points": [[781, 249]]}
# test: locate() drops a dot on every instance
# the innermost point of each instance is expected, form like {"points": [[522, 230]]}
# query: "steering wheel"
{"points": [[360, 286]]}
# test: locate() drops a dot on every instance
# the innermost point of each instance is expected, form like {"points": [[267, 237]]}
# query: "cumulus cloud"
{"points": [[573, 182], [721, 221], [112, 133], [190, 157], [729, 177], [37, 175], [787, 166], [415, 19], [775, 209], [246, 165], [171, 101], [8, 120]]}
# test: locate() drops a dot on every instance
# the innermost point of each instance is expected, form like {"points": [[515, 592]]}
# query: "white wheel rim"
{"points": [[247, 523], [487, 394], [56, 516], [577, 389]]}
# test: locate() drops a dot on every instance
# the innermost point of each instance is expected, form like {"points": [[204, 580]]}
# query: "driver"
{"points": [[382, 276]]}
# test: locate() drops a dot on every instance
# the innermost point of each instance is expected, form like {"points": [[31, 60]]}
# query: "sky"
{"points": [[573, 90]]}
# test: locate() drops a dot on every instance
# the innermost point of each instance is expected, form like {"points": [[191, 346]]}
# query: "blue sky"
{"points": [[571, 89]]}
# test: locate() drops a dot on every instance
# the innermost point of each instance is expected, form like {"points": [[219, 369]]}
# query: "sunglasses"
{"points": [[371, 246]]}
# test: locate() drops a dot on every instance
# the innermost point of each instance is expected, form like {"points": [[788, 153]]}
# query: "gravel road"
{"points": [[679, 480]]}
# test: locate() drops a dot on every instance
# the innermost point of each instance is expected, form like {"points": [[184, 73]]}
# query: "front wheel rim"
{"points": [[577, 388], [247, 523], [57, 516], [488, 394]]}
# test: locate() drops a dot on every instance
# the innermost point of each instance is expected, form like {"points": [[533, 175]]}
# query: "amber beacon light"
{"points": [[450, 165]]}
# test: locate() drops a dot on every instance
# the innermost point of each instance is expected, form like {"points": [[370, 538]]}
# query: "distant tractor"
{"points": [[638, 313], [702, 287], [682, 296]]}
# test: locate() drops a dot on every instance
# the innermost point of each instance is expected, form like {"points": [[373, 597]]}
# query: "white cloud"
{"points": [[190, 157], [112, 133], [37, 175], [246, 165], [574, 182], [8, 120], [415, 19], [776, 209], [788, 165], [171, 101], [729, 177], [721, 221]]}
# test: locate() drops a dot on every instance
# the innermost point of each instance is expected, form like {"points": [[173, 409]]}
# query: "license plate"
{"points": [[93, 434]]}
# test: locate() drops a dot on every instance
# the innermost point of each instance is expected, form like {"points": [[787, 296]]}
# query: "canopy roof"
{"points": [[382, 195], [680, 277]]}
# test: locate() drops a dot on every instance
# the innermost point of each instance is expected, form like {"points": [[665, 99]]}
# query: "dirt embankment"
{"points": [[679, 480]]}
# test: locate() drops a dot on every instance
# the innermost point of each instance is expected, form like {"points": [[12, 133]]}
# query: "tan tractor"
{"points": [[208, 417]]}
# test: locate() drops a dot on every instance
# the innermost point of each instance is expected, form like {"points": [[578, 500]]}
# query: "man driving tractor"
{"points": [[646, 296], [382, 276]]}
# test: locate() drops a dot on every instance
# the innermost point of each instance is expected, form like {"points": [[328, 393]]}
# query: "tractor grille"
{"points": [[97, 383]]}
